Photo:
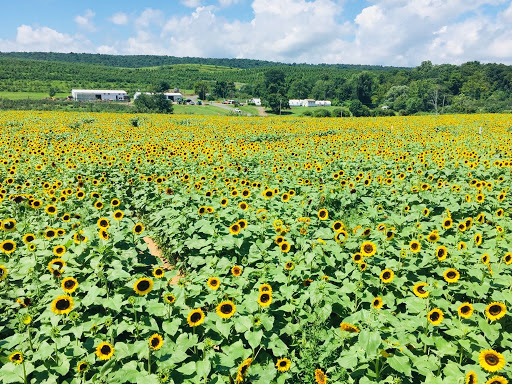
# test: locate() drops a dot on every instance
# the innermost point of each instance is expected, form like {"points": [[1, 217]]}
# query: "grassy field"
{"points": [[29, 95]]}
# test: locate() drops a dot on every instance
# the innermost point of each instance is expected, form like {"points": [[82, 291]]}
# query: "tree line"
{"points": [[427, 88]]}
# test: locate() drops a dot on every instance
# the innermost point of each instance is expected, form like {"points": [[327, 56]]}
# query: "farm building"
{"points": [[172, 96], [322, 103], [295, 103], [309, 103], [98, 94], [255, 102]]}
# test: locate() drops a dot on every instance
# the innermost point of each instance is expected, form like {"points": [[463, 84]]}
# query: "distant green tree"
{"points": [[156, 103], [276, 102], [161, 87], [358, 109], [52, 92], [364, 87], [201, 89]]}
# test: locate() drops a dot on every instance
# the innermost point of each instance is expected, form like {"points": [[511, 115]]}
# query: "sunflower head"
{"points": [[347, 327], [226, 309], [465, 310], [69, 284], [138, 228], [387, 276], [213, 283], [169, 298], [105, 351], [265, 299], [143, 286], [195, 317], [495, 311], [236, 270], [377, 303], [62, 305], [16, 357], [82, 366], [283, 364], [435, 316], [491, 361], [158, 272], [451, 275], [155, 342], [368, 249], [419, 290]]}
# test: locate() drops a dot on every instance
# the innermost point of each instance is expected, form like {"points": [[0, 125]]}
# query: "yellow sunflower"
{"points": [[347, 327], [195, 317], [158, 272], [213, 283], [465, 310], [155, 342], [415, 246], [387, 276], [236, 270], [471, 378], [495, 311], [3, 272], [16, 357], [69, 284], [143, 286], [226, 309], [62, 305], [491, 361], [7, 246], [377, 303], [265, 299], [497, 380], [451, 275], [283, 364], [419, 290], [138, 228], [368, 249], [435, 316], [320, 376], [105, 351]]}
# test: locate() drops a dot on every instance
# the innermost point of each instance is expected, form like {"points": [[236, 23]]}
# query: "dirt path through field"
{"points": [[155, 251], [261, 111]]}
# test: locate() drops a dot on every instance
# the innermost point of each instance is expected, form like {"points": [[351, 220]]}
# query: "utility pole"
{"points": [[279, 107]]}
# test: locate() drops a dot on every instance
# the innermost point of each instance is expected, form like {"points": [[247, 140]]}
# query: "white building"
{"points": [[308, 103], [255, 102], [98, 94], [322, 103], [172, 96]]}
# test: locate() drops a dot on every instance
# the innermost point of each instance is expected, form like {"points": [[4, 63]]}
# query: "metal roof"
{"points": [[97, 91]]}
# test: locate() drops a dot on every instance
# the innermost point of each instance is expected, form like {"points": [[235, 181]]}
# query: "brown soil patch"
{"points": [[155, 251]]}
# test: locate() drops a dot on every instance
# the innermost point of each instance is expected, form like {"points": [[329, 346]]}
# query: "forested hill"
{"points": [[139, 61], [469, 87]]}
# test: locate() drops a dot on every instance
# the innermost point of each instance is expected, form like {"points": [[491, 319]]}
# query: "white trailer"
{"points": [[98, 95]]}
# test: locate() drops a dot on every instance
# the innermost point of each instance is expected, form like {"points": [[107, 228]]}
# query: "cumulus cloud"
{"points": [[191, 3], [85, 21], [150, 18], [119, 18], [227, 3], [45, 39], [388, 32]]}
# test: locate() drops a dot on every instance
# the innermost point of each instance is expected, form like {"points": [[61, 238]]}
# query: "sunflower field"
{"points": [[293, 250]]}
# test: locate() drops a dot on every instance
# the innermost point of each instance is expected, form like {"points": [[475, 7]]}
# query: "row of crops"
{"points": [[294, 250]]}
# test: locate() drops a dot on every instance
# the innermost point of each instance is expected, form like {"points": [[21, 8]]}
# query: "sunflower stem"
{"points": [[56, 355], [149, 360], [30, 338], [24, 372]]}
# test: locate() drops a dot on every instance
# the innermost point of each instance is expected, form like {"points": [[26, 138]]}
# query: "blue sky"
{"points": [[387, 32]]}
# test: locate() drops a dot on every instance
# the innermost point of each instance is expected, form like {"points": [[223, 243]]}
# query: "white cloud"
{"points": [[85, 21], [106, 50], [119, 18], [388, 32], [191, 3], [227, 3], [150, 17], [45, 39]]}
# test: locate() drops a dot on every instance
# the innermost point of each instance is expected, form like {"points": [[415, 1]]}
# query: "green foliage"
{"points": [[155, 103]]}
